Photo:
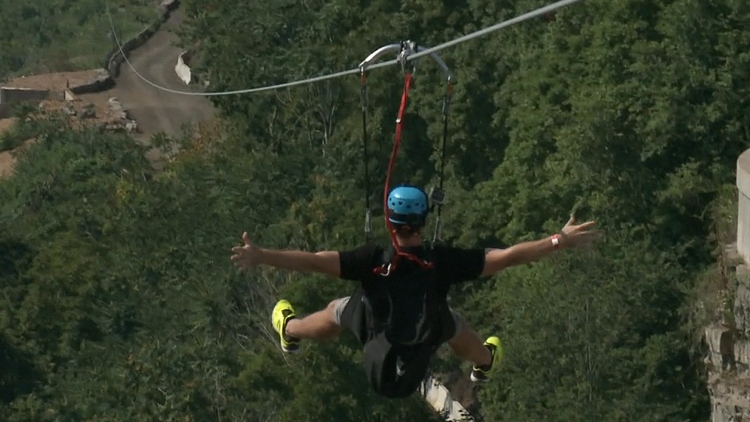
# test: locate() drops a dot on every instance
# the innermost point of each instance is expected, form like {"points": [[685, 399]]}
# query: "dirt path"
{"points": [[153, 109]]}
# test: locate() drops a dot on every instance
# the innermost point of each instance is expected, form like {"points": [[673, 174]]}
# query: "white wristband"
{"points": [[556, 240]]}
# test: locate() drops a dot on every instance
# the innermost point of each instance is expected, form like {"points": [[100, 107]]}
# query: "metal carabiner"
{"points": [[408, 48], [387, 271]]}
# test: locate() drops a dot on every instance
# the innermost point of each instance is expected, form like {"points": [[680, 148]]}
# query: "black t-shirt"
{"points": [[452, 265]]}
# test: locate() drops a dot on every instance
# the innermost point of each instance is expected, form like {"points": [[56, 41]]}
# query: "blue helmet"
{"points": [[408, 205]]}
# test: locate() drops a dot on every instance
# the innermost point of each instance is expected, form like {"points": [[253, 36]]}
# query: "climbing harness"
{"points": [[436, 194]]}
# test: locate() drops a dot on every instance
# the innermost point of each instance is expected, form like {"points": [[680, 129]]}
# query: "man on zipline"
{"points": [[401, 314]]}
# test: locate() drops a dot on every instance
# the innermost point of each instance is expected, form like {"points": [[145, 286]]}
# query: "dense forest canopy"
{"points": [[40, 36], [119, 301]]}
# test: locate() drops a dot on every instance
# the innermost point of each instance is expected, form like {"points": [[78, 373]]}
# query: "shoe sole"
{"points": [[479, 381], [288, 351]]}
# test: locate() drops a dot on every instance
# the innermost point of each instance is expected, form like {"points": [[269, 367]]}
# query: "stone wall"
{"points": [[4, 109], [729, 357], [17, 95], [743, 209], [11, 96], [441, 399], [115, 58], [100, 81], [728, 337]]}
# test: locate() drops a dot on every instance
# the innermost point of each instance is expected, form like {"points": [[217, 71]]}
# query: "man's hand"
{"points": [[246, 256], [573, 235]]}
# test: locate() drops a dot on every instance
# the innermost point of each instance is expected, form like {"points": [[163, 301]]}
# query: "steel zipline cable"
{"points": [[527, 16]]}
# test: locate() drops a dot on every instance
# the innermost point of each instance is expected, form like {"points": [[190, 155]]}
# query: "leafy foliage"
{"points": [[119, 301]]}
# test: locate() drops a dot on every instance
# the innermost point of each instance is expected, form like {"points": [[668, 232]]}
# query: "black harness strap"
{"points": [[363, 94], [439, 202]]}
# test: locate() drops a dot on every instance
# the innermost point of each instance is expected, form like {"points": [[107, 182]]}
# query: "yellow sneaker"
{"points": [[481, 373], [282, 313]]}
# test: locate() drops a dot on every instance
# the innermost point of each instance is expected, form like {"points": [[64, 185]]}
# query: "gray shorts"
{"points": [[340, 303]]}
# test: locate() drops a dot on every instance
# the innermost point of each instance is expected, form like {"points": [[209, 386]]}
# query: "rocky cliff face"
{"points": [[728, 334], [728, 339]]}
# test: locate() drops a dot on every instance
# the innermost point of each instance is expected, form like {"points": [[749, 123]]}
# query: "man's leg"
{"points": [[322, 325], [467, 345]]}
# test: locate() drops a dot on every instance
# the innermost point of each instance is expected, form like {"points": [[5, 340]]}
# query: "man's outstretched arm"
{"points": [[249, 255], [523, 253]]}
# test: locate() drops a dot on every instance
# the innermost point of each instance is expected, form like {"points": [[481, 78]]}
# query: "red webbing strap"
{"points": [[396, 144]]}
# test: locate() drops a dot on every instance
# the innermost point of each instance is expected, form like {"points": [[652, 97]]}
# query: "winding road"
{"points": [[153, 109]]}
